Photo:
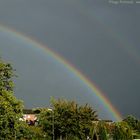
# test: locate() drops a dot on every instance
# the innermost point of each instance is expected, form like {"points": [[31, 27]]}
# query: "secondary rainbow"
{"points": [[110, 31], [70, 67]]}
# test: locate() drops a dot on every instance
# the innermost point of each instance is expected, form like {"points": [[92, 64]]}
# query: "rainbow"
{"points": [[105, 101]]}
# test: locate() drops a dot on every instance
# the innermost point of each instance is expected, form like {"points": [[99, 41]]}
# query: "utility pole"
{"points": [[52, 122]]}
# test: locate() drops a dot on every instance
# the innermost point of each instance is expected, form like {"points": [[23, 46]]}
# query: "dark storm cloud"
{"points": [[96, 36]]}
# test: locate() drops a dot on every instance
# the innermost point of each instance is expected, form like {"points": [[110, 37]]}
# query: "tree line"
{"points": [[64, 120]]}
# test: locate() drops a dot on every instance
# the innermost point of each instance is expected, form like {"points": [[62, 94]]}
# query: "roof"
{"points": [[28, 111]]}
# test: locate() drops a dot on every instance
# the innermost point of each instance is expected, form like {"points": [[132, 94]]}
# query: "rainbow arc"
{"points": [[100, 95]]}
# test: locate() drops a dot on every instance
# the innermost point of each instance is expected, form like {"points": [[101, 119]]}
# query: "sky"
{"points": [[99, 37]]}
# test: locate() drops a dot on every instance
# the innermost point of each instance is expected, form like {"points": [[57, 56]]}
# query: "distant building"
{"points": [[29, 116]]}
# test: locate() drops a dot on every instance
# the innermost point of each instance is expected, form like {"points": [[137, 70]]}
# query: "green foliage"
{"points": [[134, 125], [132, 122], [122, 131], [29, 132], [93, 130], [6, 73], [10, 107], [102, 131], [70, 119]]}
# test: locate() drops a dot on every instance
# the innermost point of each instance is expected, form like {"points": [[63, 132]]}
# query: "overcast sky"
{"points": [[99, 37]]}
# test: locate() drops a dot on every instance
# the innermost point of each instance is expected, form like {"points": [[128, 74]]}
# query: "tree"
{"points": [[102, 130], [10, 107], [132, 122], [122, 131], [29, 132], [134, 125], [71, 121]]}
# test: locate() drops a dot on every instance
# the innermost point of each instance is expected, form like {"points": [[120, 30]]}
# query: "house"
{"points": [[29, 116]]}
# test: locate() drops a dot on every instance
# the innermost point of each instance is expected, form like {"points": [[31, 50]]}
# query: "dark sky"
{"points": [[99, 37]]}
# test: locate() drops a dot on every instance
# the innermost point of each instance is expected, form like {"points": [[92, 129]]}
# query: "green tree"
{"points": [[93, 130], [10, 107], [122, 131], [29, 132], [134, 123], [102, 130], [70, 119]]}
